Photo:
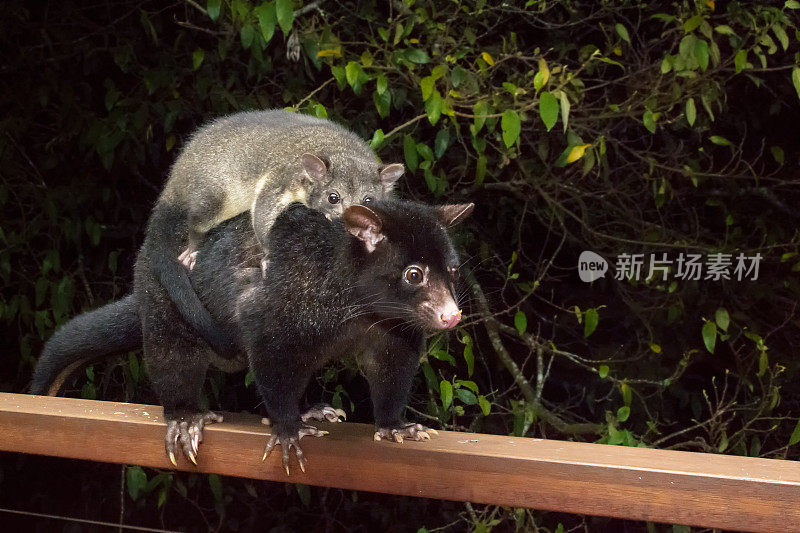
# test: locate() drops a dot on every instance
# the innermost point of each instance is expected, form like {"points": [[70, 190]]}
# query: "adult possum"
{"points": [[371, 283]]}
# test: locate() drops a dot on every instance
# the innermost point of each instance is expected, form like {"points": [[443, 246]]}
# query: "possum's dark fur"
{"points": [[326, 293]]}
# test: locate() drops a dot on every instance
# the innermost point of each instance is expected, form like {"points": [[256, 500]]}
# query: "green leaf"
{"points": [[136, 480], [691, 111], [511, 125], [724, 29], [469, 357], [622, 31], [722, 318], [247, 33], [265, 13], [780, 34], [352, 71], [197, 58], [383, 102], [763, 363], [410, 153], [795, 437], [602, 371], [480, 169], [381, 84], [623, 413], [442, 142], [701, 53], [480, 110], [304, 492], [212, 8], [284, 10], [215, 484], [720, 141], [466, 396], [590, 320], [433, 107], [521, 322], [458, 76], [710, 336], [791, 4], [426, 84], [777, 154], [484, 404], [416, 55], [649, 121], [446, 393], [377, 139], [796, 80], [740, 61], [564, 110], [548, 109], [693, 23]]}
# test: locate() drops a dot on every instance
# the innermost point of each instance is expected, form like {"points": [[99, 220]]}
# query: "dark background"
{"points": [[676, 132]]}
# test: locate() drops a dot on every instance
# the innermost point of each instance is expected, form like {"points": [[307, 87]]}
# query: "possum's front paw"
{"points": [[289, 440], [188, 430], [408, 431], [188, 257], [322, 413]]}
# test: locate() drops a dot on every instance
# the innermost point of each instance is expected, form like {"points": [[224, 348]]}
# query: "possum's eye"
{"points": [[413, 275], [453, 274], [368, 200], [334, 198]]}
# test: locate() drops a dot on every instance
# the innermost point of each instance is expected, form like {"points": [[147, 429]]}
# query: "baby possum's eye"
{"points": [[334, 198], [413, 275], [453, 274], [368, 200]]}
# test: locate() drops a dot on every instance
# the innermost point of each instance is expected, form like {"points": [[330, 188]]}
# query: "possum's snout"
{"points": [[449, 320], [441, 313]]}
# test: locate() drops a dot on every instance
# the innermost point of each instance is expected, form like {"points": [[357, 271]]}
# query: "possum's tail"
{"points": [[164, 232], [113, 328]]}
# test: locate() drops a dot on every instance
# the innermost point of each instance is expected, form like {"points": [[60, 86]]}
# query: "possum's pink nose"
{"points": [[449, 320]]}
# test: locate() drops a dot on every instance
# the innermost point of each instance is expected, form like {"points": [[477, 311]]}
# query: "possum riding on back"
{"points": [[256, 161]]}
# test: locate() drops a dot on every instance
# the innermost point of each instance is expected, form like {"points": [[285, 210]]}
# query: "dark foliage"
{"points": [[610, 126]]}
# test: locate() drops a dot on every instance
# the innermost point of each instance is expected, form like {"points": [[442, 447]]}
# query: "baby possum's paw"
{"points": [[188, 431], [188, 257], [323, 412], [290, 439], [408, 431]]}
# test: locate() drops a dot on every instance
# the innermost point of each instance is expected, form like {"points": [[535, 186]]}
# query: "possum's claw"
{"points": [[186, 433], [416, 432], [188, 257], [287, 443], [324, 412]]}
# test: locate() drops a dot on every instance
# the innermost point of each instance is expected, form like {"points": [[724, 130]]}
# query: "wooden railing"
{"points": [[708, 490]]}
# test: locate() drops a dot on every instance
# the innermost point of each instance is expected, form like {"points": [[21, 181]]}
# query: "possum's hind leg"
{"points": [[177, 362], [291, 439], [188, 429]]}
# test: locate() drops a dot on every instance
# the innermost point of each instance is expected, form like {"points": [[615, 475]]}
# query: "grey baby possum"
{"points": [[256, 161]]}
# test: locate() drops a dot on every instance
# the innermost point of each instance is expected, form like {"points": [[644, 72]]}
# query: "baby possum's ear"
{"points": [[390, 174], [453, 214], [364, 224], [314, 166]]}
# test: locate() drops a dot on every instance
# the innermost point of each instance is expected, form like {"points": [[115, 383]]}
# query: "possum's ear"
{"points": [[314, 166], [453, 214], [390, 174], [364, 224]]}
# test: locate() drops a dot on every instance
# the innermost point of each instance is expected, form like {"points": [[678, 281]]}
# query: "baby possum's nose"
{"points": [[450, 316]]}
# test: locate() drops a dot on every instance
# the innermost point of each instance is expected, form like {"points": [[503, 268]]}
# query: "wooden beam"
{"points": [[697, 489]]}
